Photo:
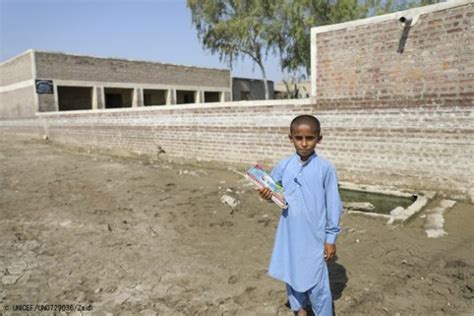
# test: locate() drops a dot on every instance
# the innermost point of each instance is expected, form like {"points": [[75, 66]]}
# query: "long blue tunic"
{"points": [[311, 220]]}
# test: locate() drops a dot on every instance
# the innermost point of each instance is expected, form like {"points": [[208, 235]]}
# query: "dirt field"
{"points": [[130, 236]]}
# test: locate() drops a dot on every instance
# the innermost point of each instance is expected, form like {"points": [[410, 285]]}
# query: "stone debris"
{"points": [[184, 172], [370, 214], [66, 223], [434, 221], [193, 173], [447, 204], [359, 206], [232, 202], [402, 214]]}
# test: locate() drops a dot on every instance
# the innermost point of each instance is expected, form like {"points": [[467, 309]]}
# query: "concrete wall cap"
{"points": [[393, 16], [231, 104]]}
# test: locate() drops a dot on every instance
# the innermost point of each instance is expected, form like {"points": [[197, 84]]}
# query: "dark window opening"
{"points": [[212, 96], [74, 98], [154, 97], [183, 96], [118, 98], [113, 101]]}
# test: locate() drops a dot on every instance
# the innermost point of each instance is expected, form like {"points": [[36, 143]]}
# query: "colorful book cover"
{"points": [[262, 179]]}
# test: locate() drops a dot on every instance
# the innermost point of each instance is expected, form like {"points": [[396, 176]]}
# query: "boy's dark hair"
{"points": [[308, 120]]}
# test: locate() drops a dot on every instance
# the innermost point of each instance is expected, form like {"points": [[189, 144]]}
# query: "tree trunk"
{"points": [[265, 81]]}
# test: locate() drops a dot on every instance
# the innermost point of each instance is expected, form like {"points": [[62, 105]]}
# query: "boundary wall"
{"points": [[416, 147]]}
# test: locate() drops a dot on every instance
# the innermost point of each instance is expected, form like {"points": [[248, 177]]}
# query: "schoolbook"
{"points": [[262, 179]]}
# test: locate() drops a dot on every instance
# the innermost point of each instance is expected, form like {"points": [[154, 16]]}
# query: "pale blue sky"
{"points": [[155, 30]]}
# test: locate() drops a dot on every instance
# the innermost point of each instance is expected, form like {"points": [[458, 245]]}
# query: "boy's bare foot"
{"points": [[302, 312]]}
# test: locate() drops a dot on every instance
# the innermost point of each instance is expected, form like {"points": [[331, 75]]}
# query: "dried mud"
{"points": [[130, 236]]}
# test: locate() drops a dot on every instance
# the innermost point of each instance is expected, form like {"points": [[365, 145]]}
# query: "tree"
{"points": [[234, 29], [299, 16]]}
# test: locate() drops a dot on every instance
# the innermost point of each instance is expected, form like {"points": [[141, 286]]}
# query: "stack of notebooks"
{"points": [[262, 179]]}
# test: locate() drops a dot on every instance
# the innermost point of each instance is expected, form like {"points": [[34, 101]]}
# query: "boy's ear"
{"points": [[320, 138], [290, 137]]}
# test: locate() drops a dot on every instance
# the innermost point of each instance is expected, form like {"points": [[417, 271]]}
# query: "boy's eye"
{"points": [[308, 138]]}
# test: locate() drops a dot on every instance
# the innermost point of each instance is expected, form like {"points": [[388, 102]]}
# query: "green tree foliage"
{"points": [[234, 29], [299, 16]]}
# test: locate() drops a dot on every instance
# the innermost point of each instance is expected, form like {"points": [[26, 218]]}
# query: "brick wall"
{"points": [[360, 61], [71, 67], [428, 148]]}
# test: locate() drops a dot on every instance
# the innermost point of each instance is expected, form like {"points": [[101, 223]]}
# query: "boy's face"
{"points": [[304, 137]]}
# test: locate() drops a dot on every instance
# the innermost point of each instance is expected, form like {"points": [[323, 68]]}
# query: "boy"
{"points": [[306, 234]]}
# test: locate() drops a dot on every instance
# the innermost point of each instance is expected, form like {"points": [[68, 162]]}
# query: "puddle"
{"points": [[384, 203]]}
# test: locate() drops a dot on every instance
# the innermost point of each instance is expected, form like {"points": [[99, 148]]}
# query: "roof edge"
{"points": [[110, 58], [32, 51]]}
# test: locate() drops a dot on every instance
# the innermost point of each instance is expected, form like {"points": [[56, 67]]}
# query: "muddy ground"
{"points": [[133, 236]]}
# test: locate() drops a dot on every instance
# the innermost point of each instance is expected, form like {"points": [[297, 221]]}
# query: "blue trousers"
{"points": [[319, 297]]}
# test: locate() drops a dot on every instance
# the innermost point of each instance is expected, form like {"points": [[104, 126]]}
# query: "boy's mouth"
{"points": [[305, 151]]}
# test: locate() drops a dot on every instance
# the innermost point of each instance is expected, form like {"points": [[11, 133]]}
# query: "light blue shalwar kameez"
{"points": [[311, 220]]}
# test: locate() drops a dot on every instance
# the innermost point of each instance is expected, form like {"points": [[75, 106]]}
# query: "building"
{"points": [[39, 81], [298, 90], [250, 89]]}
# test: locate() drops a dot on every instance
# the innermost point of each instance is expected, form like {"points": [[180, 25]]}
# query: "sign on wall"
{"points": [[44, 86]]}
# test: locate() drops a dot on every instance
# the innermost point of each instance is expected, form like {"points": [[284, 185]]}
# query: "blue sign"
{"points": [[44, 86]]}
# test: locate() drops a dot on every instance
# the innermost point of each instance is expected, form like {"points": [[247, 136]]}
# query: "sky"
{"points": [[152, 30]]}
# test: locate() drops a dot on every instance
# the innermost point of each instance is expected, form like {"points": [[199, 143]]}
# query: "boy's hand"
{"points": [[329, 251], [265, 193]]}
